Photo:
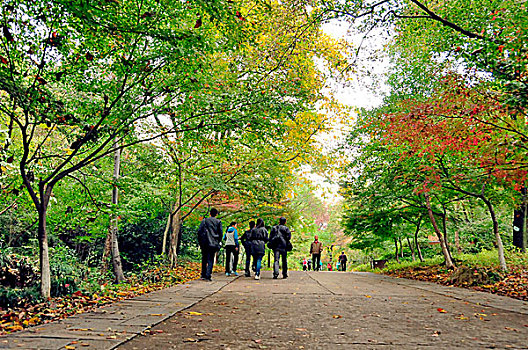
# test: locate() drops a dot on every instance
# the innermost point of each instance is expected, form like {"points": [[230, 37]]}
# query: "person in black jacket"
{"points": [[209, 236], [247, 247], [279, 241], [258, 238]]}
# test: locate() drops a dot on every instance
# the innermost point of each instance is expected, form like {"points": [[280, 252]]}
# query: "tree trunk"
{"points": [[116, 256], [500, 247], [519, 223], [401, 247], [457, 242], [106, 253], [420, 256], [411, 248], [45, 273], [445, 251], [166, 233], [175, 235], [396, 252]]}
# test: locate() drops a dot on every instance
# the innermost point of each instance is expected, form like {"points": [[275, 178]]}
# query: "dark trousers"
{"points": [[248, 263], [283, 256], [207, 262], [316, 261], [343, 266], [231, 250]]}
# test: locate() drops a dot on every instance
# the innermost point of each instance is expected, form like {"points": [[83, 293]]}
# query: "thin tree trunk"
{"points": [[420, 256], [175, 235], [500, 247], [411, 248], [165, 234], [396, 252], [116, 256], [445, 251], [401, 247], [457, 242], [45, 273]]}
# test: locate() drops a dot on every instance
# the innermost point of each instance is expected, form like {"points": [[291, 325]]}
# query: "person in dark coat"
{"points": [[279, 240], [244, 239], [343, 261], [258, 238], [209, 236]]}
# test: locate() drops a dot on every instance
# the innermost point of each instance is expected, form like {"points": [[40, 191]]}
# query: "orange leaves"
{"points": [[79, 302], [441, 310]]}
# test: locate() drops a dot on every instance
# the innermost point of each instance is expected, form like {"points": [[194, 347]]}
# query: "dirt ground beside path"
{"points": [[333, 310]]}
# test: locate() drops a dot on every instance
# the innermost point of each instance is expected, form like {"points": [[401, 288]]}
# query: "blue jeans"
{"points": [[258, 259]]}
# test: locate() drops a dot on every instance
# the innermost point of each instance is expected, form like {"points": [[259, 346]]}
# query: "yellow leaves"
{"points": [[337, 316], [193, 313]]}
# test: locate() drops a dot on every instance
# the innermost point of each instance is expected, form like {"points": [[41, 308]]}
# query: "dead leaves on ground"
{"points": [[513, 284], [16, 319]]}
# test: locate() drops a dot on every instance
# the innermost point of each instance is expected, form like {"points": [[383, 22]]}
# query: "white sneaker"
{"points": [[257, 277]]}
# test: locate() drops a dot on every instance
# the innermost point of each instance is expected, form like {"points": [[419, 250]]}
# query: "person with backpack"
{"points": [[279, 242], [247, 248], [258, 238], [231, 249], [315, 249], [209, 235]]}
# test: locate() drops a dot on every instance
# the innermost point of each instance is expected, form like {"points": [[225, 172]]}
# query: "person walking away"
{"points": [[280, 243], [309, 264], [209, 235], [232, 249], [305, 264], [343, 260], [315, 249], [247, 247], [258, 238], [329, 266]]}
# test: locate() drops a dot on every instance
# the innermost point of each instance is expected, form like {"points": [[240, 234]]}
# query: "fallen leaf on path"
{"points": [[300, 329], [215, 330], [69, 347], [441, 310], [258, 341], [511, 329], [193, 313], [461, 317], [337, 316], [189, 340], [201, 334], [157, 314], [368, 296]]}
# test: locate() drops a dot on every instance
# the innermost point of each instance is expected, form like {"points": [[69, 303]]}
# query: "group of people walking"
{"points": [[254, 240]]}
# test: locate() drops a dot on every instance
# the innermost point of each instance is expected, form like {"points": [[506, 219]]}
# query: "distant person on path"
{"points": [[232, 248], [305, 264], [247, 247], [329, 266], [338, 265], [209, 235], [258, 238], [343, 260], [279, 242], [309, 264], [315, 249]]}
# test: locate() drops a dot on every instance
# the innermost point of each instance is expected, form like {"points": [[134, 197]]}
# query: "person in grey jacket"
{"points": [[279, 241], [258, 238], [209, 236]]}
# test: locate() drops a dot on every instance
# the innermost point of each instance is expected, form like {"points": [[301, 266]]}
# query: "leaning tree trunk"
{"points": [[114, 246], [175, 235], [165, 234], [45, 273], [396, 252], [411, 248], [500, 247], [420, 256], [445, 251]]}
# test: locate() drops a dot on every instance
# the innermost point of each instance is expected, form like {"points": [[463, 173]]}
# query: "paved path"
{"points": [[334, 310], [309, 310], [109, 326]]}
